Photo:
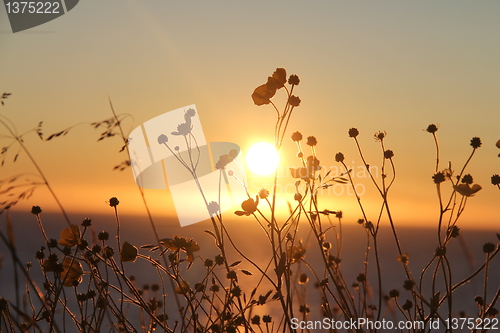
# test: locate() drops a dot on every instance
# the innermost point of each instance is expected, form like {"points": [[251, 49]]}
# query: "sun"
{"points": [[262, 158]]}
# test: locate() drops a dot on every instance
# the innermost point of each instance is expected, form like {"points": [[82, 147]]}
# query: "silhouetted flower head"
{"points": [[213, 207], [263, 94], [263, 193], [113, 202], [453, 231], [297, 197], [489, 247], [438, 177], [187, 245], [353, 132], [467, 179], [266, 319], [249, 207], [498, 144], [432, 128], [388, 154], [394, 293], [339, 157], [224, 160], [294, 100], [36, 210], [380, 135], [103, 235], [495, 179], [297, 136], [492, 312], [255, 320], [475, 142], [86, 222], [234, 153], [440, 251], [311, 141], [467, 190], [296, 253], [293, 80], [407, 306], [162, 139], [279, 76], [408, 284]]}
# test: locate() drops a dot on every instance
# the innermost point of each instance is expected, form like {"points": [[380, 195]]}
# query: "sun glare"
{"points": [[262, 158]]}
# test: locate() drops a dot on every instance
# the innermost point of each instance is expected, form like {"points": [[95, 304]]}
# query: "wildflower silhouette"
{"points": [[249, 207], [187, 245], [186, 127]]}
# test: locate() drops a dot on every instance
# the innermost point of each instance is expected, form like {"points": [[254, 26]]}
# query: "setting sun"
{"points": [[262, 158]]}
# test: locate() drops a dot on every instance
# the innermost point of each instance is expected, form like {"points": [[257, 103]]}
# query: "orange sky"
{"points": [[376, 66]]}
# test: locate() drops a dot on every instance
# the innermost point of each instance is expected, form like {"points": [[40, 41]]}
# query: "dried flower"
{"points": [[294, 101], [439, 177], [103, 235], [432, 128], [293, 80], [467, 179], [388, 154], [128, 253], [440, 251], [70, 236], [466, 190], [453, 231], [394, 293], [380, 135], [224, 160], [263, 94], [475, 142], [296, 253], [187, 245], [408, 284], [86, 222], [353, 132], [162, 139], [279, 76], [213, 207], [339, 157], [72, 272], [495, 179], [408, 305], [255, 320], [36, 210], [311, 141], [297, 136], [113, 202], [263, 193], [489, 247], [249, 207]]}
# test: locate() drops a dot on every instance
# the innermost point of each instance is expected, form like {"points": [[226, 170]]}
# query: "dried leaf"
{"points": [[236, 263]]}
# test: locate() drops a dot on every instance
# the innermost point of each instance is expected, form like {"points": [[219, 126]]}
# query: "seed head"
{"points": [[475, 142], [432, 128], [353, 132]]}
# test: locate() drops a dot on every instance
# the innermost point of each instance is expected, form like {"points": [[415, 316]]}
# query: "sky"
{"points": [[394, 66]]}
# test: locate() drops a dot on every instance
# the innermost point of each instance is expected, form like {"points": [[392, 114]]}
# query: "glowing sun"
{"points": [[262, 158]]}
